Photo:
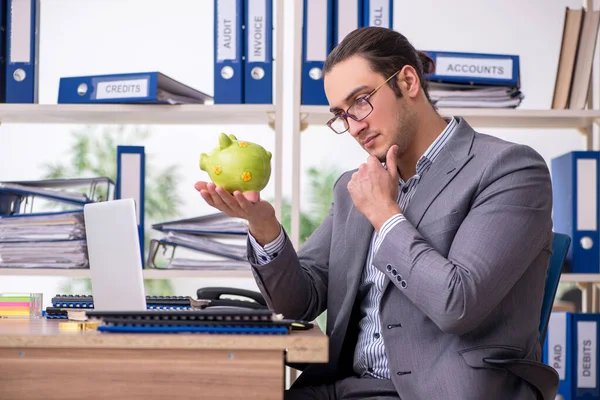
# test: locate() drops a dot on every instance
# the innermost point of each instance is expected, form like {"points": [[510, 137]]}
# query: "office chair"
{"points": [[560, 247], [546, 380]]}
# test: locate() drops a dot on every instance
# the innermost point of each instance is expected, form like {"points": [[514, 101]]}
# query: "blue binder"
{"points": [[575, 184], [138, 87], [347, 16], [379, 13], [131, 177], [258, 61], [22, 47], [558, 350], [585, 356], [229, 51], [317, 41], [475, 68]]}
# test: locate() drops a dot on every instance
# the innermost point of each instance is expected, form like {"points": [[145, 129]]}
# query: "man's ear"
{"points": [[408, 81]]}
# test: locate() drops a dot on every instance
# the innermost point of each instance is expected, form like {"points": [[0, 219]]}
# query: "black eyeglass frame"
{"points": [[345, 114]]}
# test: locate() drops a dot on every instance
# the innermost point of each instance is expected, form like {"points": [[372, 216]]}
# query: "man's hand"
{"points": [[374, 189], [259, 213]]}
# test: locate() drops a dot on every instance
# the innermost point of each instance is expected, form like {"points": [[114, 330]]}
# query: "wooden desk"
{"points": [[41, 361]]}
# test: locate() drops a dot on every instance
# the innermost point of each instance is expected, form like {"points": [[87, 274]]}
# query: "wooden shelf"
{"points": [[145, 114], [148, 273], [491, 118]]}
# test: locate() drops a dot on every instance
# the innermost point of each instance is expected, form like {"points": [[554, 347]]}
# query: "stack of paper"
{"points": [[34, 237], [44, 240], [44, 254], [211, 242], [64, 225], [456, 95]]}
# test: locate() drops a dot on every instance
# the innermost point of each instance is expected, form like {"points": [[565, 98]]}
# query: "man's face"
{"points": [[391, 121]]}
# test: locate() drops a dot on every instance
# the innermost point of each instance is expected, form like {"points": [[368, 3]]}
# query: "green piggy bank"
{"points": [[237, 165]]}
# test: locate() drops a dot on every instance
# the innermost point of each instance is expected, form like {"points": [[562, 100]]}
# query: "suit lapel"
{"points": [[447, 165]]}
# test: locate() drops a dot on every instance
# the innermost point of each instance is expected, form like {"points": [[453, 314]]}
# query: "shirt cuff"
{"points": [[386, 227], [266, 254]]}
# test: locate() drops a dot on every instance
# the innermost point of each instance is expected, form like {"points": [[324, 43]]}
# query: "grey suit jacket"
{"points": [[465, 273]]}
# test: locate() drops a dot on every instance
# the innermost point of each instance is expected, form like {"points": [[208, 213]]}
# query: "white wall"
{"points": [[175, 37]]}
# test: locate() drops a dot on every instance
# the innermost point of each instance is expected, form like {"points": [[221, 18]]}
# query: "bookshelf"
{"points": [[586, 122], [269, 115], [492, 118]]}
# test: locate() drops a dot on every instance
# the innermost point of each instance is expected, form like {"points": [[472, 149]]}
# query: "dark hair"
{"points": [[386, 50]]}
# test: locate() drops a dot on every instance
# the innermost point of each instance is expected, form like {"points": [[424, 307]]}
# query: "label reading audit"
{"points": [[122, 89]]}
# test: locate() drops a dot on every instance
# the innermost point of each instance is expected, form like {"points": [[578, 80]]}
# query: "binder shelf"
{"points": [[492, 118], [201, 114]]}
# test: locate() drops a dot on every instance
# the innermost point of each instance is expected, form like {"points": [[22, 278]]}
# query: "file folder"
{"points": [[22, 48], [131, 178], [475, 68], [258, 62], [379, 13], [212, 224], [317, 41], [75, 191], [228, 52], [575, 207], [348, 16], [138, 87]]}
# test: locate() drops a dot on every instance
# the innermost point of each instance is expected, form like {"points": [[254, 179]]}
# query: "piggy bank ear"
{"points": [[224, 141], [203, 161], [268, 155], [232, 137]]}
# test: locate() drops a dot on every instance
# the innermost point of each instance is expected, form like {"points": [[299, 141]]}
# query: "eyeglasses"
{"points": [[359, 110]]}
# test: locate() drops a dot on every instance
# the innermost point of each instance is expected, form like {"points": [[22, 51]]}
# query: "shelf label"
{"points": [[491, 68], [122, 89], [257, 37], [586, 354], [227, 27]]}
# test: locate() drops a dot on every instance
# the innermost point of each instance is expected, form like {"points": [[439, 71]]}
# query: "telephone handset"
{"points": [[218, 297]]}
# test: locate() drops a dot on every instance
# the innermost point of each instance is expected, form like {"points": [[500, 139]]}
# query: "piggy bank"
{"points": [[237, 165]]}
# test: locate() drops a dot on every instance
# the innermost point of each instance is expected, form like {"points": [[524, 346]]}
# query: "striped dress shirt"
{"points": [[369, 355]]}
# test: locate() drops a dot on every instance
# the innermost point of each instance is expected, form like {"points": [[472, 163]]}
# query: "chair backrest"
{"points": [[560, 246]]}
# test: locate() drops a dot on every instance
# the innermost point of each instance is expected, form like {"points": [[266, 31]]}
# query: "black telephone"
{"points": [[217, 297]]}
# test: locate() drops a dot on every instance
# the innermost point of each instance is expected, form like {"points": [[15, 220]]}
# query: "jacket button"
{"points": [[394, 272], [404, 373], [403, 284], [398, 278], [388, 267]]}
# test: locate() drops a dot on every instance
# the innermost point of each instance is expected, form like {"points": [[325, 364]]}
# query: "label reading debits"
{"points": [[474, 67], [586, 354], [226, 30], [122, 89]]}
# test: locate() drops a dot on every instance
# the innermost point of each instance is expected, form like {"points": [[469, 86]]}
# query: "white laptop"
{"points": [[114, 255]]}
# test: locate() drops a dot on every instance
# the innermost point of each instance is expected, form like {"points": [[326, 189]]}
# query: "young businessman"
{"points": [[432, 261]]}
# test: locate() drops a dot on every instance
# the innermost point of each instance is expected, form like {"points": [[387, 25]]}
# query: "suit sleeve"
{"points": [[505, 230], [295, 283]]}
